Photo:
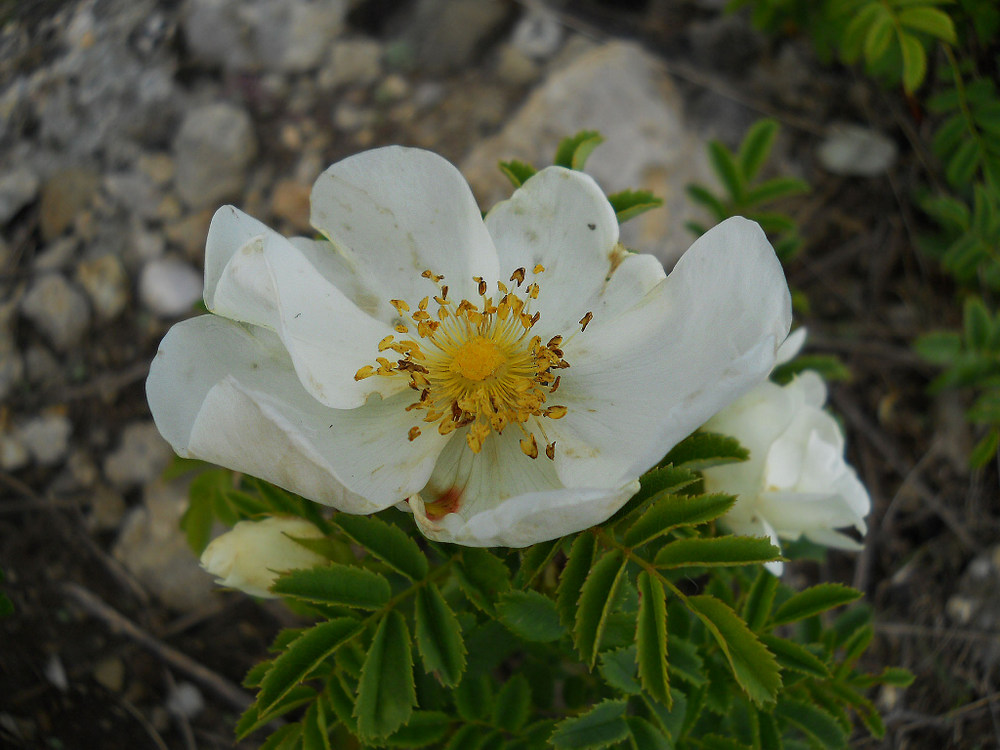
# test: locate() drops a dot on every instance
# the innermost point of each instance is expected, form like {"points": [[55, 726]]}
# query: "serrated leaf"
{"points": [[253, 719], [618, 668], [676, 510], [914, 61], [630, 203], [597, 597], [651, 638], [703, 450], [685, 661], [518, 172], [301, 657], [482, 578], [578, 562], [386, 692], [600, 727], [573, 151], [513, 704], [530, 615], [720, 550], [474, 697], [342, 701], [468, 737], [284, 738], [791, 655], [814, 600], [439, 636], [422, 729], [315, 732], [754, 667], [388, 543], [333, 583], [760, 599], [534, 560], [813, 721], [728, 171], [644, 736], [756, 146], [930, 20], [256, 673]]}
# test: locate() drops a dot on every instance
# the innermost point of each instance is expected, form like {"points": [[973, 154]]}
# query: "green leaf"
{"points": [[896, 676], [199, 516], [285, 738], [756, 146], [301, 657], [573, 151], [985, 449], [332, 583], [630, 203], [930, 20], [315, 732], [814, 722], [775, 189], [754, 667], [963, 163], [423, 728], [618, 668], [513, 704], [468, 737], [6, 606], [439, 636], [706, 198], [655, 485], [703, 450], [651, 639], [727, 169], [388, 543], [578, 562], [600, 727], [645, 736], [253, 719], [534, 560], [853, 39], [596, 602], [760, 598], [914, 62], [721, 550], [939, 347], [978, 324], [518, 172], [676, 510], [530, 615], [342, 701], [793, 656], [879, 36], [685, 661], [386, 693], [814, 600], [474, 697], [482, 577]]}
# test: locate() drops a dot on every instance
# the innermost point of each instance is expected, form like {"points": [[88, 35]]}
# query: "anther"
{"points": [[518, 276], [550, 451], [585, 320], [555, 412], [414, 433], [365, 372], [529, 446]]}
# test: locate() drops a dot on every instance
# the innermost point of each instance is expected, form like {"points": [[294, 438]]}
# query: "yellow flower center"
{"points": [[477, 365]]}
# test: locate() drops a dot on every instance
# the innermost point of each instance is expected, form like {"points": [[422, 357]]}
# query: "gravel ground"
{"points": [[125, 123]]}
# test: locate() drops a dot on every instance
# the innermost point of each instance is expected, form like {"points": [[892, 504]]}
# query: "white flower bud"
{"points": [[253, 553], [796, 482]]}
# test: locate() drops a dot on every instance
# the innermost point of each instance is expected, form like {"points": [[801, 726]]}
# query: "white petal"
{"points": [[640, 383], [560, 219], [229, 395], [792, 513], [791, 346], [268, 281], [395, 212], [831, 538], [505, 498]]}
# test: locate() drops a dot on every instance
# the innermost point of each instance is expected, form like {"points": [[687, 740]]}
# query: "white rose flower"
{"points": [[250, 556], [510, 378], [796, 481]]}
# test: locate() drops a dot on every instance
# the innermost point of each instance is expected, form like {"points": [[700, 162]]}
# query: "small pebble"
{"points": [[58, 309], [46, 437], [170, 287]]}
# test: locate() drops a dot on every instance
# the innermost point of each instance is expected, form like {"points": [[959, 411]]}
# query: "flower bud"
{"points": [[796, 482], [251, 555]]}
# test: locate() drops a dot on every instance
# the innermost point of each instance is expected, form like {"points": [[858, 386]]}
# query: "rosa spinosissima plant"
{"points": [[512, 382]]}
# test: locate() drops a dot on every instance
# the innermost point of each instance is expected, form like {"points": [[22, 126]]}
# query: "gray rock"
{"points": [[58, 309], [46, 437], [352, 62], [42, 368], [11, 361], [140, 458], [856, 151], [170, 287], [538, 34], [64, 195], [13, 453], [135, 192], [153, 548], [650, 148], [447, 34], [57, 255], [215, 144], [725, 43], [260, 35], [106, 283], [18, 188]]}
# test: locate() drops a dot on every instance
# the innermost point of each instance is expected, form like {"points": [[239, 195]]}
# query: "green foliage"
{"points": [[747, 196]]}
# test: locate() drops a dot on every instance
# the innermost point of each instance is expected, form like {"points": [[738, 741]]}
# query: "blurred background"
{"points": [[125, 123]]}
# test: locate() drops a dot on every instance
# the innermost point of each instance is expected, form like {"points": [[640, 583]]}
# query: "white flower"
{"points": [[796, 481], [251, 555], [509, 377]]}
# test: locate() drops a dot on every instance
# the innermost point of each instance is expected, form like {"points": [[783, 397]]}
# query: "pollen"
{"points": [[477, 365]]}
